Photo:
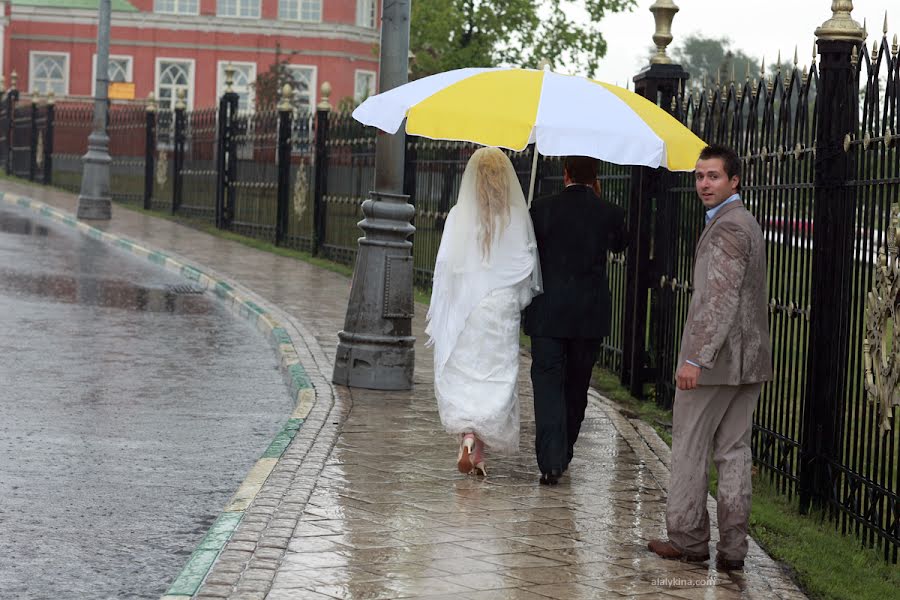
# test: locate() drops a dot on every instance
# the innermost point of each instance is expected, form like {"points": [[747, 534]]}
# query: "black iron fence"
{"points": [[821, 172]]}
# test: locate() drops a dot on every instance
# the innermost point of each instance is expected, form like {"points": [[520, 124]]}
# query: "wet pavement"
{"points": [[132, 409], [366, 504]]}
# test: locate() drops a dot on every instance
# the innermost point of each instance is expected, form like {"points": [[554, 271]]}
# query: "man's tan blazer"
{"points": [[727, 330]]}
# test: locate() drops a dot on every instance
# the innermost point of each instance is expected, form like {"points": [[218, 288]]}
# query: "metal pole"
{"points": [[94, 202], [376, 346]]}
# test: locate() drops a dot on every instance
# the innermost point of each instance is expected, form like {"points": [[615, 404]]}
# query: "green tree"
{"points": [[451, 34], [268, 84], [709, 60]]}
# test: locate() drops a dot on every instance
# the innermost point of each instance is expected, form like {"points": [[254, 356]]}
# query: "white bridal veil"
{"points": [[463, 276]]}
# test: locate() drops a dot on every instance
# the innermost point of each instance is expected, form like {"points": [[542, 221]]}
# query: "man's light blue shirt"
{"points": [[710, 215]]}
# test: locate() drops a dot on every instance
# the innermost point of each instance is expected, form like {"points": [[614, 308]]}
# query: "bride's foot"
{"points": [[466, 447], [478, 458]]}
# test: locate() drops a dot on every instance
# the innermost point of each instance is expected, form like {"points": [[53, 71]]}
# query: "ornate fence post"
{"points": [[33, 150], [226, 155], [48, 139], [659, 82], [149, 151], [323, 111], [285, 127], [11, 98], [834, 230], [178, 151]]}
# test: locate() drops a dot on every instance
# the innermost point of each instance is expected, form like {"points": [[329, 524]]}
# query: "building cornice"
{"points": [[191, 46], [204, 23]]}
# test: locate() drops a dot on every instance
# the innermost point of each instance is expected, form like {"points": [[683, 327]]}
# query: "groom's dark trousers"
{"points": [[574, 229]]}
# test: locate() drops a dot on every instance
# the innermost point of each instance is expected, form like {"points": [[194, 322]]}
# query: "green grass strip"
{"points": [[188, 581]]}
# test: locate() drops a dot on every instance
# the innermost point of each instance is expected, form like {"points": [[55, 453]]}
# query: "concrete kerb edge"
{"points": [[301, 388]]}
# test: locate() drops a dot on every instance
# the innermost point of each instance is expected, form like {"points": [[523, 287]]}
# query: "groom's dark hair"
{"points": [[581, 169]]}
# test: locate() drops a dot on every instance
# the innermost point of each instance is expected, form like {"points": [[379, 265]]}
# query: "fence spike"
{"points": [[885, 28], [894, 47], [2, 87], [796, 58], [874, 50]]}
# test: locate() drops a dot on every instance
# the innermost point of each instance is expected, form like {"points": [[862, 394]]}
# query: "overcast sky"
{"points": [[758, 27]]}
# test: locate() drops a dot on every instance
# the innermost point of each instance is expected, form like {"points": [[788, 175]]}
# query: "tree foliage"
{"points": [[709, 60], [451, 34]]}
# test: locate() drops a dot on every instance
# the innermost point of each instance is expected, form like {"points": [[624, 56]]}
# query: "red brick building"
{"points": [[166, 45]]}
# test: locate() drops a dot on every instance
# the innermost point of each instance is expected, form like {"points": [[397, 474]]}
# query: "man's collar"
{"points": [[712, 212]]}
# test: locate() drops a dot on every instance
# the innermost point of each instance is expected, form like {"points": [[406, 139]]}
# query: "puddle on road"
{"points": [[132, 407]]}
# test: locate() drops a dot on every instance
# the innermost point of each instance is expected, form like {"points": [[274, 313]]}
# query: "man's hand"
{"points": [[686, 377]]}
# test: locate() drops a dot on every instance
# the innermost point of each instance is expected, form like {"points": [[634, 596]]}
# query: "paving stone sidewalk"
{"points": [[366, 502]]}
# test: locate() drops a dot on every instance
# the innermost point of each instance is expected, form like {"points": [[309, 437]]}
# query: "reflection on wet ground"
{"points": [[132, 408]]}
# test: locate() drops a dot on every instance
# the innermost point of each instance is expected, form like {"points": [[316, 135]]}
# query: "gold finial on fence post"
{"points": [[663, 14], [229, 78], [51, 98], [36, 97], [894, 47], [179, 101], [151, 102], [2, 84], [13, 80], [287, 95], [326, 93], [841, 26]]}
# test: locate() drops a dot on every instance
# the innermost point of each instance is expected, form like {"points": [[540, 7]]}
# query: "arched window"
{"points": [[50, 72], [173, 76]]}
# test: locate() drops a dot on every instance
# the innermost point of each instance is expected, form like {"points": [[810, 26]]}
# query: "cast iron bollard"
{"points": [[376, 346]]}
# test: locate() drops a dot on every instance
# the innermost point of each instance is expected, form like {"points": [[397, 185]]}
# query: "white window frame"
{"points": [[367, 13], [129, 70], [67, 68], [176, 11], [356, 95], [299, 7], [220, 81], [313, 90], [192, 77], [237, 4]]}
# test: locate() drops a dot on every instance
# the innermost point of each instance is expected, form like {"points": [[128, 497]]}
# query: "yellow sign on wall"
{"points": [[121, 90]]}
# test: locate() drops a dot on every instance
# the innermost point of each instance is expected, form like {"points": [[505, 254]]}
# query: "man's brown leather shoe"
{"points": [[668, 551], [725, 564]]}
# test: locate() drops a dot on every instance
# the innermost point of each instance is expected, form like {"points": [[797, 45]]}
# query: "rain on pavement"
{"points": [[131, 411]]}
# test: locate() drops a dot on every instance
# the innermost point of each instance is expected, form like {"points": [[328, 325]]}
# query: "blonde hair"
{"points": [[492, 193]]}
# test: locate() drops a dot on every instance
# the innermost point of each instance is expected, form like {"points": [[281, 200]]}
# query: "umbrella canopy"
{"points": [[561, 114]]}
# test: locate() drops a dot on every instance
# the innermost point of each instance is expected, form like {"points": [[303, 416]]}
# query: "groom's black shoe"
{"points": [[551, 478]]}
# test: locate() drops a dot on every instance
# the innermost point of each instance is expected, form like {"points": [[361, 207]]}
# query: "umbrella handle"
{"points": [[533, 175]]}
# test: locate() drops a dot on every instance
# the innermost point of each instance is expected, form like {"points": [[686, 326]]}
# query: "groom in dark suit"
{"points": [[567, 323]]}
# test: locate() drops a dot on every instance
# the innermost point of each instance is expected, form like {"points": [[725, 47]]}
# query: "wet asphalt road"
{"points": [[129, 414]]}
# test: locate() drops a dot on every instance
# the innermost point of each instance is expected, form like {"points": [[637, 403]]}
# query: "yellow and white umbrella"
{"points": [[560, 114]]}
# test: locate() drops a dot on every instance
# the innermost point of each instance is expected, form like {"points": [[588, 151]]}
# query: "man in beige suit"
{"points": [[725, 358]]}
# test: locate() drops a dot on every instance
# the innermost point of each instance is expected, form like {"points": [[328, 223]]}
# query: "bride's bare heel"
{"points": [[466, 447]]}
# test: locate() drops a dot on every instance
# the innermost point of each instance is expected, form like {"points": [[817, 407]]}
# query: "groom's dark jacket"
{"points": [[574, 231]]}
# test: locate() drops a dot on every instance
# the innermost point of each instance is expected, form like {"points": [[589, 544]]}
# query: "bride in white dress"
{"points": [[487, 271]]}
